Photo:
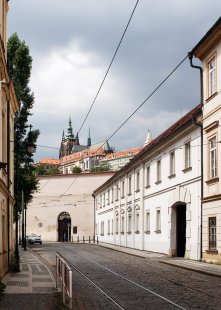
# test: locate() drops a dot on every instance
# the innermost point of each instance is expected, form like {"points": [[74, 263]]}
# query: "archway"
{"points": [[64, 227]]}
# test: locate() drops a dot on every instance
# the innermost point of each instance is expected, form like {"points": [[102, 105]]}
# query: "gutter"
{"points": [[190, 55]]}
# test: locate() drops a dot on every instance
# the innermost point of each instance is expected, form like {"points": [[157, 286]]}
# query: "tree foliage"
{"points": [[40, 170], [19, 68], [76, 170]]}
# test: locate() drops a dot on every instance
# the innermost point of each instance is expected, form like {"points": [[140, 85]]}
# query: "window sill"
{"points": [[108, 204], [129, 232], [212, 251], [108, 234], [116, 200], [116, 233], [158, 182], [102, 234], [137, 191], [212, 181], [158, 231], [211, 97], [187, 169], [122, 197], [172, 176], [122, 233], [137, 232], [147, 232], [147, 186], [129, 194]]}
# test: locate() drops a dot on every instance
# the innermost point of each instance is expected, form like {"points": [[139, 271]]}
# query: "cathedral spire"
{"points": [[70, 131], [63, 136], [148, 138], [89, 138]]}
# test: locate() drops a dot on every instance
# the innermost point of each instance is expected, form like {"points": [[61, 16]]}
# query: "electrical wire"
{"points": [[115, 53]]}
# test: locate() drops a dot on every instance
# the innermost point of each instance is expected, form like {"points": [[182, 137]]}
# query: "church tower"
{"points": [[89, 139], [67, 142]]}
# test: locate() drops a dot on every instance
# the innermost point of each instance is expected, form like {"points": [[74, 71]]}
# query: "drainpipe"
{"points": [[200, 124], [8, 179]]}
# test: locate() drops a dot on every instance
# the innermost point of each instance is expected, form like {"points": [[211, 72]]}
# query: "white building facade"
{"points": [[208, 50], [153, 203], [63, 207]]}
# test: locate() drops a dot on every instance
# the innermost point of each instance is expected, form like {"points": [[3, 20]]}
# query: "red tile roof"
{"points": [[124, 153], [81, 155], [51, 161]]}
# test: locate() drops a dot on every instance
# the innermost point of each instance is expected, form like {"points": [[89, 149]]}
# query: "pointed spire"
{"points": [[148, 138], [89, 138], [77, 139], [63, 136], [70, 131]]}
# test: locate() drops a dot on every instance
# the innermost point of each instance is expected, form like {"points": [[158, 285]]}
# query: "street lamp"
{"points": [[30, 147]]}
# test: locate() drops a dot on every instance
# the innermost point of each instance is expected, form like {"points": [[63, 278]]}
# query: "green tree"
{"points": [[76, 170], [100, 168], [19, 68], [52, 171]]}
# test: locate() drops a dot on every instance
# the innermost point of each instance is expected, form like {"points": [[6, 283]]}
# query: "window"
{"points": [[112, 194], [117, 192], [75, 230], [129, 224], [97, 229], [108, 197], [122, 225], [159, 170], [129, 185], [137, 181], [212, 233], [112, 227], [213, 162], [148, 176], [108, 227], [147, 222], [102, 228], [137, 223], [172, 163], [158, 224], [122, 190], [104, 200], [187, 155], [116, 228], [212, 76]]}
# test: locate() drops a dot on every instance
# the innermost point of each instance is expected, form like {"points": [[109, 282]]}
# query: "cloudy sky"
{"points": [[72, 43]]}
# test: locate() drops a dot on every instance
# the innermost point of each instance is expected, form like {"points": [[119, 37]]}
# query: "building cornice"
{"points": [[211, 198]]}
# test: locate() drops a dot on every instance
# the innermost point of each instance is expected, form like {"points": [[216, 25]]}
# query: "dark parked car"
{"points": [[33, 238]]}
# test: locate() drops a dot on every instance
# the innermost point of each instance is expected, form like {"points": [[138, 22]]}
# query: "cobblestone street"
{"points": [[107, 279]]}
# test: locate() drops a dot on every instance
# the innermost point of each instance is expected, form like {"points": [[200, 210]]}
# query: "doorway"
{"points": [[180, 230], [64, 227]]}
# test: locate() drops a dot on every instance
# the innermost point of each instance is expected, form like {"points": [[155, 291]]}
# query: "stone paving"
{"points": [[33, 288]]}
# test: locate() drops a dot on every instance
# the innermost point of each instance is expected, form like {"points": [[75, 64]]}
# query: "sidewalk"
{"points": [[205, 268], [32, 288]]}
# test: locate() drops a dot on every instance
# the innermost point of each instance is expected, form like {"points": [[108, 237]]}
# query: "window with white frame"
{"points": [[172, 163], [212, 76], [116, 228], [213, 160], [148, 176], [97, 229], [117, 191], [122, 224], [100, 201], [129, 185], [158, 221], [112, 226], [137, 222], [108, 197], [122, 189], [187, 155], [112, 194], [108, 227], [147, 222], [104, 202], [102, 228], [137, 181], [158, 170], [212, 233], [129, 224]]}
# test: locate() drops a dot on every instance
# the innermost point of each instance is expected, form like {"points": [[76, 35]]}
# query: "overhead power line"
{"points": [[115, 53]]}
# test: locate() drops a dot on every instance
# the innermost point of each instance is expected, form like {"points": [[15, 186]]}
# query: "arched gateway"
{"points": [[64, 227]]}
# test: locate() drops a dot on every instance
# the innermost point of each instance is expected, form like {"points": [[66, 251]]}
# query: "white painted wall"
{"points": [[64, 193]]}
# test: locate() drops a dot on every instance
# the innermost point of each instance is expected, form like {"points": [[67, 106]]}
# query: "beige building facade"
{"points": [[8, 106], [63, 208], [208, 50]]}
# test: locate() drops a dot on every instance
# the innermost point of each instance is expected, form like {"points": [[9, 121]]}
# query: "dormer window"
{"points": [[212, 76]]}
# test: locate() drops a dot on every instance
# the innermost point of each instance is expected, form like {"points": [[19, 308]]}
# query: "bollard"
{"points": [[89, 239], [83, 239], [78, 239]]}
